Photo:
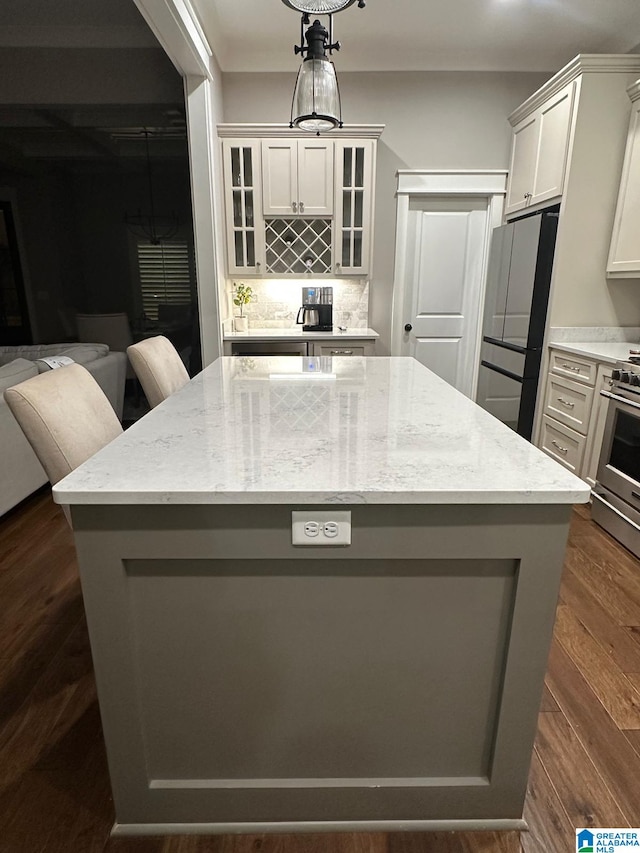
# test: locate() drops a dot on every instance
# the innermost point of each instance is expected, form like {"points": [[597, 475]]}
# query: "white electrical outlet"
{"points": [[321, 528]]}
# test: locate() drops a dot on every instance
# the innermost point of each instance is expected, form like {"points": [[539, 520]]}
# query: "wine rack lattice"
{"points": [[298, 246]]}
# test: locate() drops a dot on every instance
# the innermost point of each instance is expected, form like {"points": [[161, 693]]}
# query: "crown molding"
{"points": [[583, 63], [360, 131], [445, 181], [634, 91]]}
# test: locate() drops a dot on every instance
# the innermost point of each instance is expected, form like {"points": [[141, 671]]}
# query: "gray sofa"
{"points": [[20, 472]]}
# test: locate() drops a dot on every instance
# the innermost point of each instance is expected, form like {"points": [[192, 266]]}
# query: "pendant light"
{"points": [[316, 103], [149, 226], [321, 7]]}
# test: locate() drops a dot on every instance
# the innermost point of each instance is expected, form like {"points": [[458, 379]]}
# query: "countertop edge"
{"points": [[596, 350], [472, 498]]}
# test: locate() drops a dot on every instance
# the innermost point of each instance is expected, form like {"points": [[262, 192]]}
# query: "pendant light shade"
{"points": [[318, 7], [316, 98]]}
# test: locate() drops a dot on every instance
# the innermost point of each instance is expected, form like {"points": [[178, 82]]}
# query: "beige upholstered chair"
{"points": [[65, 416], [110, 329], [158, 367]]}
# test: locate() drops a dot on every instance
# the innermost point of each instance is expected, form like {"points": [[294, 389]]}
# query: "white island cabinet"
{"points": [[252, 678]]}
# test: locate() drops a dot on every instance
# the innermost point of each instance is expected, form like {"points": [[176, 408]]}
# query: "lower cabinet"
{"points": [[563, 444], [597, 425], [347, 348], [299, 346], [574, 414]]}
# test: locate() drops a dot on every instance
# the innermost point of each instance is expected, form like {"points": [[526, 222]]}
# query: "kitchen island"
{"points": [[250, 684]]}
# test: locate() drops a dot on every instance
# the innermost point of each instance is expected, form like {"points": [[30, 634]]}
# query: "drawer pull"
{"points": [[571, 367], [341, 352], [559, 446], [565, 402]]}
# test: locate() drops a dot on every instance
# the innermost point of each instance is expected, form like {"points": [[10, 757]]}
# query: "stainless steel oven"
{"points": [[616, 496]]}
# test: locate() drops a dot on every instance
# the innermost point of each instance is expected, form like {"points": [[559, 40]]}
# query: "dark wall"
{"points": [[77, 251], [105, 245], [44, 219]]}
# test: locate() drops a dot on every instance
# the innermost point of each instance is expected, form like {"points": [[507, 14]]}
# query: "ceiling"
{"points": [[388, 35], [413, 35], [258, 35]]}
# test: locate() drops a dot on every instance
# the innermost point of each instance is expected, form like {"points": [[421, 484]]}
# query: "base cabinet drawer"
{"points": [[573, 367], [345, 348], [569, 402], [563, 444]]}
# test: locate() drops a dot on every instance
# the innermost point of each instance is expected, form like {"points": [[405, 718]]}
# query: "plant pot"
{"points": [[241, 324]]}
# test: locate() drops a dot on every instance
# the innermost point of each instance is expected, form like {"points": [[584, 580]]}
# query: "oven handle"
{"points": [[619, 399], [614, 509]]}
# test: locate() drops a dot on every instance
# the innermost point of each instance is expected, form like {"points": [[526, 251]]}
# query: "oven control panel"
{"points": [[626, 377]]}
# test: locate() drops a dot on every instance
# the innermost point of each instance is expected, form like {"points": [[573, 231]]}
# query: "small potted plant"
{"points": [[242, 294]]}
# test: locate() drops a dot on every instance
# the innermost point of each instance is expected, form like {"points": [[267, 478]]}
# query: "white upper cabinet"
{"points": [[243, 204], [523, 163], [297, 177], [624, 254], [298, 205], [539, 154], [355, 167]]}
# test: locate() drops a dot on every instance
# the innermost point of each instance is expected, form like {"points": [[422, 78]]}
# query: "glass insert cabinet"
{"points": [[296, 206]]}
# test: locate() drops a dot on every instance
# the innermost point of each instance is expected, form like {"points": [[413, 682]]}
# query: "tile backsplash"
{"points": [[594, 334], [276, 302]]}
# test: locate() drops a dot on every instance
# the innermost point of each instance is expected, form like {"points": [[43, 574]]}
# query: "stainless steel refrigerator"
{"points": [[514, 319]]}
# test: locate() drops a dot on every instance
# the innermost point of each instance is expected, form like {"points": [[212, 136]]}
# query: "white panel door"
{"points": [[315, 177], [442, 298], [279, 177]]}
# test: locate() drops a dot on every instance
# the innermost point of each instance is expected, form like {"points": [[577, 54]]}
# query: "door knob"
{"points": [[408, 327]]}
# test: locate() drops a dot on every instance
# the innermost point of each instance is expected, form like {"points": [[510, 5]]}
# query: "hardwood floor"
{"points": [[54, 787]]}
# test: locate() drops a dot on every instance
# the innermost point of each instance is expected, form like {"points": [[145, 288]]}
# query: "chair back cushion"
{"points": [[65, 417], [158, 367]]}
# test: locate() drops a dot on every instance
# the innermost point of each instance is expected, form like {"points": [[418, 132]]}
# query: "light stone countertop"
{"points": [[298, 334], [319, 431], [608, 352]]}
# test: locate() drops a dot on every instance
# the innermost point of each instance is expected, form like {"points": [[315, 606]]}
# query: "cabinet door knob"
{"points": [[294, 205], [408, 327], [301, 207]]}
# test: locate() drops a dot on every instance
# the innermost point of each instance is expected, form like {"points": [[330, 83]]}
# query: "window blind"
{"points": [[164, 275]]}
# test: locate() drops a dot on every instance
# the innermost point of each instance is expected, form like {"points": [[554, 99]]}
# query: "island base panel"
{"points": [[246, 683]]}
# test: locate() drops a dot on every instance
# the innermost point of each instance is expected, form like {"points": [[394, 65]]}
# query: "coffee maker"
{"points": [[317, 309]]}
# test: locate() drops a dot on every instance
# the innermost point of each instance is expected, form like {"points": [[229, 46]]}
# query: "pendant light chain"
{"points": [[149, 226]]}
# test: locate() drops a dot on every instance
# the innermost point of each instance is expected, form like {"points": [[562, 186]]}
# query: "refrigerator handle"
{"points": [[504, 344], [502, 370]]}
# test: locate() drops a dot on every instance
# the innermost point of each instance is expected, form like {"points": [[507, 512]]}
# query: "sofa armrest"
{"points": [[110, 374]]}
